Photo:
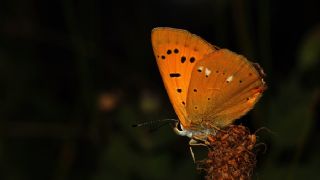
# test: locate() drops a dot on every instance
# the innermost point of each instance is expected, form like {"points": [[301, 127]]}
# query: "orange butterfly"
{"points": [[208, 87]]}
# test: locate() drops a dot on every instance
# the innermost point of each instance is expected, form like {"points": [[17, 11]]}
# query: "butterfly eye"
{"points": [[178, 127]]}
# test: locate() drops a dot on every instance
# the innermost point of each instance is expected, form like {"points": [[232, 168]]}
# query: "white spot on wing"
{"points": [[230, 78], [207, 72], [200, 68]]}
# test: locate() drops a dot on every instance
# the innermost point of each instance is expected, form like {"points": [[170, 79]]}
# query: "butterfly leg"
{"points": [[192, 154], [195, 142]]}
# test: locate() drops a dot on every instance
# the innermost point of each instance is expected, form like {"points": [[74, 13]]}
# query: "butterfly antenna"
{"points": [[265, 147], [266, 129], [156, 124]]}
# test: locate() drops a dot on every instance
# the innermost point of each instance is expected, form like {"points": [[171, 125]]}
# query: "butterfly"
{"points": [[209, 87]]}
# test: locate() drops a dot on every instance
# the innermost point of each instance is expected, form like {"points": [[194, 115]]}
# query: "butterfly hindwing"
{"points": [[223, 87]]}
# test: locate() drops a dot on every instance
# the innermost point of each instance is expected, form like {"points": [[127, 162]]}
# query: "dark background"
{"points": [[76, 74]]}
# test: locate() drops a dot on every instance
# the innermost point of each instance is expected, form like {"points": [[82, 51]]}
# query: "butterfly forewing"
{"points": [[177, 51], [223, 87]]}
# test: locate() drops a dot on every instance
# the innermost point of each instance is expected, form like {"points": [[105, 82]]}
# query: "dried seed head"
{"points": [[230, 154]]}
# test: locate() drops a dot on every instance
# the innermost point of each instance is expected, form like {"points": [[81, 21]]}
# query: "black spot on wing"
{"points": [[183, 59], [174, 75], [192, 59]]}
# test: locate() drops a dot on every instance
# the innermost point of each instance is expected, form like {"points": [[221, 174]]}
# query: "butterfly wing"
{"points": [[223, 87], [177, 51]]}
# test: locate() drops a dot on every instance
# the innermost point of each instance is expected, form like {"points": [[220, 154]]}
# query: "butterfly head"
{"points": [[198, 134], [181, 131]]}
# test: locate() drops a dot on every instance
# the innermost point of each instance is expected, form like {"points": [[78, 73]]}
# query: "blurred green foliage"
{"points": [[76, 74]]}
